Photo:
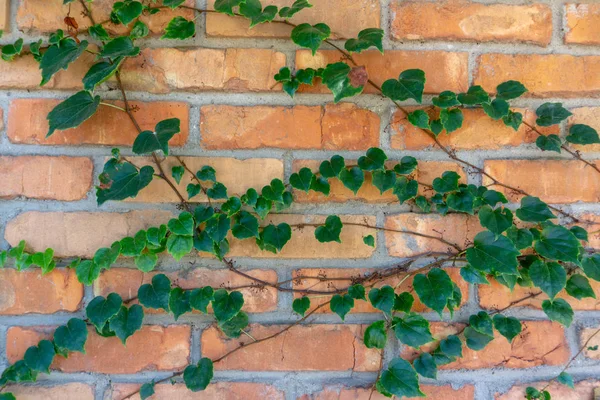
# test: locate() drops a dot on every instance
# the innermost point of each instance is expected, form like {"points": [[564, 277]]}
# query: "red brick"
{"points": [[444, 70], [546, 75], [583, 23], [68, 391], [583, 390], [332, 127], [23, 292], [431, 392], [27, 123], [468, 20], [216, 391], [43, 177], [126, 283], [302, 348], [154, 348]]}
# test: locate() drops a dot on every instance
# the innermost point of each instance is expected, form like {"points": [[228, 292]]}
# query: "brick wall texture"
{"points": [[235, 118]]}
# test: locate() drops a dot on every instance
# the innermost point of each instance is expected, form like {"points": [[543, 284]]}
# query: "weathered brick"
{"points": [[40, 16], [343, 280], [454, 228], [76, 233], [302, 348], [540, 343], [345, 18], [199, 69], [237, 175], [21, 291], [468, 20], [425, 173], [444, 70], [496, 297], [126, 283], [4, 5], [405, 136], [431, 392], [588, 116], [583, 390], [216, 391], [27, 123], [583, 23], [594, 340], [591, 222], [560, 181], [43, 177], [67, 391], [332, 127], [546, 75], [153, 348]]}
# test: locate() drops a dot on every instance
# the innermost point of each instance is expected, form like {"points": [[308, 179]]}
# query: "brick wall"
{"points": [[233, 117]]}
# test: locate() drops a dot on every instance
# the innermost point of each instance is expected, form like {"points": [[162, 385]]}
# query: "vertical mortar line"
{"points": [[3, 355], [385, 20], [483, 391], [386, 114], [558, 24], [195, 135], [195, 342], [201, 37]]}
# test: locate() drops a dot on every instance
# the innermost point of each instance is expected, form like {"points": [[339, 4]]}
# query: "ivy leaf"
{"points": [[474, 96], [549, 143], [434, 289], [156, 294], [509, 327], [332, 168], [330, 232], [493, 253], [382, 298], [193, 190], [179, 302], [373, 160], [178, 246], [497, 220], [179, 28], [477, 340], [579, 233], [461, 200], [496, 109], [226, 6], [302, 179], [410, 85], [452, 119], [446, 99], [197, 377], [341, 305], [121, 180], [126, 11], [310, 36], [200, 298], [510, 90], [147, 141], [447, 183], [101, 309], [121, 46], [227, 305], [139, 30], [405, 189], [384, 180], [582, 134], [412, 330], [591, 266], [252, 9], [551, 114], [276, 236], [245, 226], [400, 379], [147, 390], [7, 396], [87, 272], [522, 238], [100, 72], [39, 357], [426, 366], [366, 38], [146, 262], [59, 56], [71, 337], [127, 321], [177, 173], [375, 335], [419, 118], [288, 12], [18, 372], [106, 257], [579, 287], [558, 310], [320, 184], [403, 302], [183, 225], [534, 210], [513, 119], [474, 276], [352, 178], [233, 327], [336, 77], [10, 51], [551, 277], [43, 260], [566, 379], [301, 305], [407, 165], [357, 292], [98, 33], [72, 112], [558, 243]]}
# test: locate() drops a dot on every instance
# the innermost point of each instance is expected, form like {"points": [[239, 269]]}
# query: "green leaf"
{"points": [[99, 73], [476, 340], [461, 200], [320, 185], [579, 233], [173, 4], [197, 377], [579, 287], [72, 112], [513, 120], [341, 304], [288, 12], [252, 9], [274, 191], [336, 77], [183, 225], [366, 38], [551, 114], [534, 210], [425, 365], [227, 305], [179, 28], [178, 245], [156, 294], [128, 10], [412, 330], [302, 179], [233, 327], [410, 85], [71, 337], [497, 220], [99, 33], [106, 257], [374, 160], [301, 305], [558, 310], [101, 309], [382, 298], [119, 47], [59, 56], [43, 260], [509, 327], [551, 277], [493, 253], [147, 141], [7, 396], [407, 165], [369, 240], [133, 246], [332, 168], [510, 90], [375, 335], [497, 109], [403, 302], [405, 189], [87, 272], [591, 266], [18, 372], [566, 379], [39, 357], [200, 298], [451, 346], [522, 238], [245, 226], [352, 178], [121, 180], [446, 99], [549, 143], [582, 134], [147, 390], [452, 119], [310, 36], [481, 331], [558, 243], [419, 118], [434, 289], [330, 232], [400, 379], [474, 96], [384, 180], [10, 51], [179, 302], [357, 292], [156, 235], [127, 321], [276, 236], [139, 30], [447, 183], [207, 173]]}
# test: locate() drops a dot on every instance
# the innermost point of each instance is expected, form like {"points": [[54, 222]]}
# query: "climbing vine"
{"points": [[533, 244]]}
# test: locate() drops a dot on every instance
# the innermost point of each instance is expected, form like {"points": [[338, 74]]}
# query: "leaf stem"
{"points": [[113, 106]]}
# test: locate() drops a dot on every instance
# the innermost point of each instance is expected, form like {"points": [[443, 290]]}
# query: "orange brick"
{"points": [[588, 116], [343, 280], [563, 181], [216, 390], [237, 175], [126, 283], [302, 348], [68, 391], [345, 18], [444, 70], [458, 229], [546, 75], [583, 23], [594, 340], [431, 392], [199, 69], [42, 177], [153, 348], [468, 20], [4, 10], [583, 390], [405, 136], [592, 224], [40, 16], [332, 127], [21, 291], [540, 343], [27, 123]]}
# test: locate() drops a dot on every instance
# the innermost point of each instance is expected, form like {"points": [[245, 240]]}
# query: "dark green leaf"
{"points": [[245, 226], [412, 330], [197, 377], [156, 294], [558, 310], [403, 302], [217, 227], [288, 12], [106, 257], [330, 232], [534, 210], [434, 289], [407, 165], [101, 309], [375, 335], [301, 305], [10, 51], [558, 243], [121, 180], [320, 184], [147, 390], [510, 90], [551, 277], [452, 119], [39, 357], [474, 96], [509, 327], [582, 134], [497, 109], [336, 77], [227, 305], [87, 272], [446, 99], [302, 179], [352, 178], [276, 236], [310, 36], [72, 112], [59, 56], [99, 73], [99, 33], [127, 321], [383, 298], [332, 168], [591, 266], [405, 189], [400, 379], [119, 47], [551, 114], [71, 337], [179, 302], [425, 365], [252, 9], [566, 379], [522, 238], [513, 119], [579, 287], [410, 85], [493, 253], [128, 10], [447, 183], [549, 143], [341, 304], [233, 328], [179, 246], [419, 118], [497, 220], [374, 160], [179, 28], [357, 292], [200, 298], [366, 38], [139, 30]]}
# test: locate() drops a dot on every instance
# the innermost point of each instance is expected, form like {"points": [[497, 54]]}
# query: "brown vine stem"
{"points": [[194, 177]]}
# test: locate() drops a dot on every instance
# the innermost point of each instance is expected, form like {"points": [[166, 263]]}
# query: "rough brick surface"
{"points": [[583, 23], [217, 391], [153, 348], [434, 392], [588, 116], [583, 390], [468, 20], [590, 338], [4, 5], [69, 391]]}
